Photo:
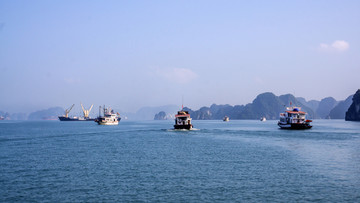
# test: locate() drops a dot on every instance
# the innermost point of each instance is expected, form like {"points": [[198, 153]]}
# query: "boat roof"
{"points": [[182, 115], [296, 112]]}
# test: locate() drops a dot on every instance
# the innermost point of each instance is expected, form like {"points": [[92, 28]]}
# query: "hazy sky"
{"points": [[130, 54]]}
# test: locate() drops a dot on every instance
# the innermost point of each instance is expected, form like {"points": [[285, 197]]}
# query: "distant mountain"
{"points": [[325, 106], [204, 113], [48, 114], [266, 104], [148, 113], [301, 100], [353, 113], [19, 116], [14, 116], [162, 115], [215, 112], [328, 107], [339, 111], [287, 98], [220, 111], [313, 104]]}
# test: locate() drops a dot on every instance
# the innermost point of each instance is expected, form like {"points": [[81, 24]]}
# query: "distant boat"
{"points": [[109, 118], [183, 120], [263, 118], [294, 118], [226, 119], [2, 118]]}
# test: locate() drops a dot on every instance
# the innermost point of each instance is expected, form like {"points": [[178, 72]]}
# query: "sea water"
{"points": [[236, 161]]}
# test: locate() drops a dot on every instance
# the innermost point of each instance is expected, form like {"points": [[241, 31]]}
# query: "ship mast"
{"points": [[86, 112], [67, 111], [182, 102]]}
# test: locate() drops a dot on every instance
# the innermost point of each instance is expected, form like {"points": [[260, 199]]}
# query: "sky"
{"points": [[130, 54]]}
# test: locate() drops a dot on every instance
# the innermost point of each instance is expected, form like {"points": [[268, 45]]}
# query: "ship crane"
{"points": [[67, 111], [86, 112]]}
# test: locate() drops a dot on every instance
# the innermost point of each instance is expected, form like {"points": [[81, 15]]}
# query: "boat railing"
{"points": [[297, 120]]}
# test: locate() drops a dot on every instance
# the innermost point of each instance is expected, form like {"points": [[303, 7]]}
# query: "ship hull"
{"points": [[295, 126], [63, 118], [107, 123], [183, 127], [102, 121]]}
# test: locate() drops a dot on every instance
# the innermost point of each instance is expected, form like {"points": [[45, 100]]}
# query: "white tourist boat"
{"points": [[294, 118], [183, 120], [109, 118]]}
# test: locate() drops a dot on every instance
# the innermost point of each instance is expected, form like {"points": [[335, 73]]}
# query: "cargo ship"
{"points": [[75, 118]]}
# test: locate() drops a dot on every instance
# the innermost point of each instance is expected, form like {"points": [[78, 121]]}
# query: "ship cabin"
{"points": [[182, 118], [293, 115]]}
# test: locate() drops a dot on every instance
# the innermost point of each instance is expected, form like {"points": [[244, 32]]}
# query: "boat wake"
{"points": [[182, 130]]}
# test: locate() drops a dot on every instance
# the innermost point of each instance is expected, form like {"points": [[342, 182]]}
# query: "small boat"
{"points": [[109, 118], [183, 120], [294, 118], [263, 118], [226, 119]]}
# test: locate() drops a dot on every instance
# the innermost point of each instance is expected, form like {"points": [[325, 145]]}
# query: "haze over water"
{"points": [[246, 161]]}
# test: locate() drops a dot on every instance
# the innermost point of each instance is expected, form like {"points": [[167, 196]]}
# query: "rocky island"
{"points": [[160, 116], [353, 113], [270, 106]]}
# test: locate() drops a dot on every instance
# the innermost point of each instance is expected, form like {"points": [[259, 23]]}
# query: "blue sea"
{"points": [[236, 161]]}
